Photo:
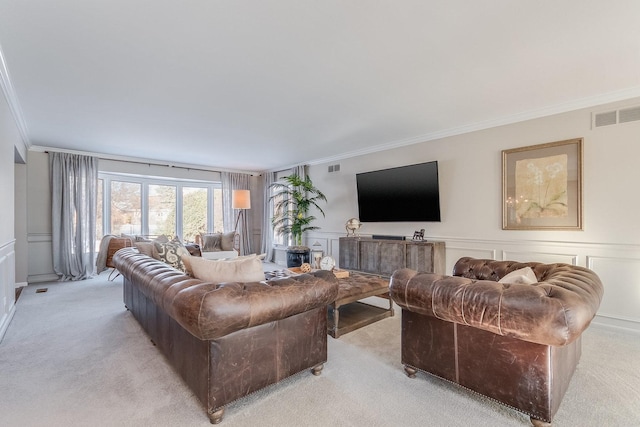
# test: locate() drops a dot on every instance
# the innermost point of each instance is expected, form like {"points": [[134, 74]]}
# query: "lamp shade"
{"points": [[241, 199]]}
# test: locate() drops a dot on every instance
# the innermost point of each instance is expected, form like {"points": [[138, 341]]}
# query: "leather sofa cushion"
{"points": [[553, 311]]}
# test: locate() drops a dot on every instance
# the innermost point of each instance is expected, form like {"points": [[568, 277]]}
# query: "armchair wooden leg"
{"points": [[317, 370], [411, 372], [216, 416], [539, 423]]}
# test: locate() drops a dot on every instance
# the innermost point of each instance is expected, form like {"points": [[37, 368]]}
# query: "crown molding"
{"points": [[566, 107], [12, 100]]}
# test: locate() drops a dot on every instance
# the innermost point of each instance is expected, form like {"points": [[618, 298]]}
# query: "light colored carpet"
{"points": [[73, 356]]}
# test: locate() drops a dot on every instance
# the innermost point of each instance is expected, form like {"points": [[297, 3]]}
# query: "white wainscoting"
{"points": [[621, 278], [7, 285], [618, 266]]}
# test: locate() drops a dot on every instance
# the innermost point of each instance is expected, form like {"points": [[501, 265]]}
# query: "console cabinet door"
{"points": [[348, 257], [392, 257], [369, 254], [420, 257]]}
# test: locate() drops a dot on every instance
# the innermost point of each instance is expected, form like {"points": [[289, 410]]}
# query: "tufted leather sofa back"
{"points": [[212, 310], [553, 311]]}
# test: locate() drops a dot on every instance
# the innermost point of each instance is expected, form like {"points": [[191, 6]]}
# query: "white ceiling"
{"points": [[261, 85]]}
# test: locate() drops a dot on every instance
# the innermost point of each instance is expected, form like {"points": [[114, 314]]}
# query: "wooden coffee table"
{"points": [[347, 313]]}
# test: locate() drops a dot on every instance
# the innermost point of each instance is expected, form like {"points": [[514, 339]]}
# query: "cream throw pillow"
{"points": [[524, 276], [146, 248], [217, 271]]}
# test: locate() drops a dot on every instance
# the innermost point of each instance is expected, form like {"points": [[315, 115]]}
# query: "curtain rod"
{"points": [[139, 161]]}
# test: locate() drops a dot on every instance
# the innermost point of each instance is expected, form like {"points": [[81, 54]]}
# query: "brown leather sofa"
{"points": [[518, 344], [228, 340]]}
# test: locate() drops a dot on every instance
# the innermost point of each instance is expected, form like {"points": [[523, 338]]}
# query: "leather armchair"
{"points": [[516, 343]]}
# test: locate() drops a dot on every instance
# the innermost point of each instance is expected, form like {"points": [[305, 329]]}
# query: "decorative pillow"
{"points": [[161, 239], [146, 248], [218, 241], [211, 242], [242, 270], [186, 259], [227, 241], [169, 253], [523, 276]]}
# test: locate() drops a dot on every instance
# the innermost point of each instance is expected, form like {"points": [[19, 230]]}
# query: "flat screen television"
{"points": [[402, 194]]}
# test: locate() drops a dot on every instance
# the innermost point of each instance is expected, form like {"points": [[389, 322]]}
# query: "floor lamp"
{"points": [[241, 200]]}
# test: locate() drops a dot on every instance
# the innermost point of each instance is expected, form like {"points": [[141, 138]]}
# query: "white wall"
{"points": [[9, 140], [39, 237], [471, 192]]}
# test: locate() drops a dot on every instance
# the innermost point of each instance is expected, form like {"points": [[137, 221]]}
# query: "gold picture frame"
{"points": [[542, 186]]}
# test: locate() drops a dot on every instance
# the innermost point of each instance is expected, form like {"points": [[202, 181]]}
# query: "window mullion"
{"points": [[179, 213], [106, 205], [210, 213], [144, 202]]}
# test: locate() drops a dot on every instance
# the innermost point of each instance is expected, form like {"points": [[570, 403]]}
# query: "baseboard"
{"points": [[21, 284], [6, 320], [616, 323], [38, 278]]}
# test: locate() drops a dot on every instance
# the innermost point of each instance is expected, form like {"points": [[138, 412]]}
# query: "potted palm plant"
{"points": [[293, 199]]}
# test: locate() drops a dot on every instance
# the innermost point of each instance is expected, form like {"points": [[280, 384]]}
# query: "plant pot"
{"points": [[298, 255]]}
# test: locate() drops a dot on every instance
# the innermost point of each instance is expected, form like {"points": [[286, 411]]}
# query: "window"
{"points": [[194, 211], [162, 209], [126, 208], [138, 205], [279, 239]]}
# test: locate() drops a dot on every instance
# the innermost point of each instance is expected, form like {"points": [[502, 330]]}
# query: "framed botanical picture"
{"points": [[542, 186]]}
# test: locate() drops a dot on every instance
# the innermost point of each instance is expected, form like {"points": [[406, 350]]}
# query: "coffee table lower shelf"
{"points": [[353, 316]]}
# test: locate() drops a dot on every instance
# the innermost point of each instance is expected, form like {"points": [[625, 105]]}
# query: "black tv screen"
{"points": [[406, 193]]}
